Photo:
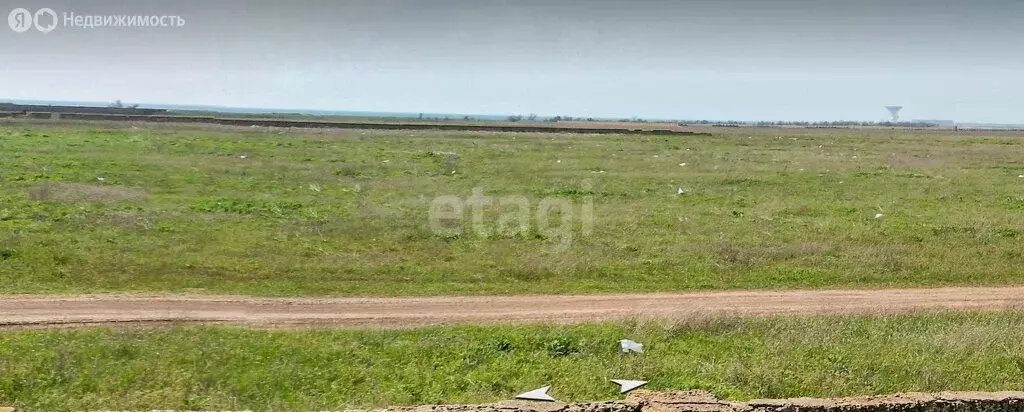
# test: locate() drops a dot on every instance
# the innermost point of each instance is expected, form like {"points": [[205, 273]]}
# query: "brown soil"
{"points": [[49, 311], [699, 401]]}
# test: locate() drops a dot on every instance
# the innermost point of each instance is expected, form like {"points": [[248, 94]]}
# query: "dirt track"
{"points": [[48, 311]]}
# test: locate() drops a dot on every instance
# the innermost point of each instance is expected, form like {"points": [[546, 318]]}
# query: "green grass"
{"points": [[179, 211], [236, 368]]}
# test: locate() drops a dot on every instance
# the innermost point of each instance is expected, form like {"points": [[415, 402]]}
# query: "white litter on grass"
{"points": [[558, 161], [628, 385], [243, 157], [387, 161], [682, 164], [540, 394], [101, 179], [597, 171], [1021, 176], [878, 215], [627, 346], [680, 190]]}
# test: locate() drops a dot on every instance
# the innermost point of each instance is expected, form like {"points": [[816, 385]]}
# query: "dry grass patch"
{"points": [[128, 220], [748, 256], [83, 193]]}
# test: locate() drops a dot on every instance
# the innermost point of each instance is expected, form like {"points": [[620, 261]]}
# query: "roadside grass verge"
{"points": [[192, 367]]}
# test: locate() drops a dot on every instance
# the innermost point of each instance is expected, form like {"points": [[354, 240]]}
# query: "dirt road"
{"points": [[72, 311]]}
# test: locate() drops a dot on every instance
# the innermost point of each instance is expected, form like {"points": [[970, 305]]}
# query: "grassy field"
{"points": [[99, 208], [235, 368]]}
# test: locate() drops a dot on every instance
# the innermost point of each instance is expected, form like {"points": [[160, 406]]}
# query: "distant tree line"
{"points": [[444, 119], [845, 123], [569, 119], [117, 104], [533, 117], [729, 122]]}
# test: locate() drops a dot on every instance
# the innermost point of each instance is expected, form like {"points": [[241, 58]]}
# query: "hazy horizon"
{"points": [[452, 115], [726, 59]]}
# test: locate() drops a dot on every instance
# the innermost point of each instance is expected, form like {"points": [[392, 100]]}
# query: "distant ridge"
{"points": [[256, 110], [308, 112], [404, 115], [321, 124]]}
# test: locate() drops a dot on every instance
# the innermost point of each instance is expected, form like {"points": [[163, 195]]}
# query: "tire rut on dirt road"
{"points": [[30, 311]]}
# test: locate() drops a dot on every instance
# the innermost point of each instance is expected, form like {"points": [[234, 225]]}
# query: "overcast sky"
{"points": [[685, 59]]}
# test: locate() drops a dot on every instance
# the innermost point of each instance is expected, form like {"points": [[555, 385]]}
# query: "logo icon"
{"points": [[20, 20], [39, 24]]}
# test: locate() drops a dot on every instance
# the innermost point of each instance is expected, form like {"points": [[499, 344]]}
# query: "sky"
{"points": [[684, 59]]}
